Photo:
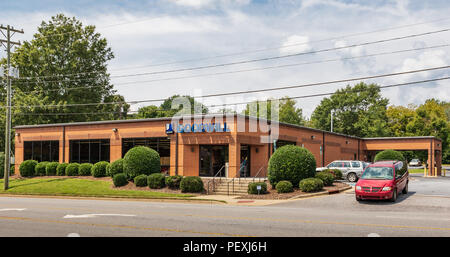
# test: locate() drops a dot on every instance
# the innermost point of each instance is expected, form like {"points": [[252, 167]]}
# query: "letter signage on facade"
{"points": [[196, 128]]}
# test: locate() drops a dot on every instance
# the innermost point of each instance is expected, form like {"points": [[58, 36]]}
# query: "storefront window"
{"points": [[280, 143], [89, 151], [41, 151]]}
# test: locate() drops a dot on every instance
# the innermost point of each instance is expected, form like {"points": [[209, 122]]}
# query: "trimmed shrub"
{"points": [[191, 184], [391, 155], [284, 187], [337, 174], [85, 169], [291, 163], [39, 169], [141, 160], [253, 188], [114, 168], [156, 180], [61, 169], [173, 182], [72, 169], [326, 177], [311, 185], [99, 169], [50, 169], [141, 180], [26, 168], [120, 180]]}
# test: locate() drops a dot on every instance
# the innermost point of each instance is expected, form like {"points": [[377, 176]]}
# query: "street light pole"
{"points": [[332, 115]]}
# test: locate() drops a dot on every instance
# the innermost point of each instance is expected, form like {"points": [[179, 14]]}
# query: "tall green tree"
{"points": [[287, 112], [398, 119], [186, 105], [359, 111]]}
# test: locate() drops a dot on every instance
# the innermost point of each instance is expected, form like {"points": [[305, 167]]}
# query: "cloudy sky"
{"points": [[153, 36]]}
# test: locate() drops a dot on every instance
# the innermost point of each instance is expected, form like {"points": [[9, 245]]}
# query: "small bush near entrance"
{"points": [[284, 187], [39, 169], [191, 185], [156, 180], [173, 182], [50, 169], [61, 169], [337, 174], [120, 179], [141, 160], [85, 169], [326, 177], [114, 168], [253, 188], [141, 180], [72, 169], [291, 163], [311, 185], [26, 168], [99, 169]]}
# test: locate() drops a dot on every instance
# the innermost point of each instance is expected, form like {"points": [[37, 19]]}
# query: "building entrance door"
{"points": [[212, 159], [244, 169]]}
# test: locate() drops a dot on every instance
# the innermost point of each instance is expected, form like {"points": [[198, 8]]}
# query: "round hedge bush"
{"points": [[173, 182], [336, 173], [156, 180], [191, 185], [99, 169], [141, 180], [72, 169], [253, 188], [284, 187], [50, 169], [311, 185], [120, 179], [61, 169], [326, 177], [85, 169], [26, 168], [114, 168], [141, 160], [39, 169], [291, 163]]}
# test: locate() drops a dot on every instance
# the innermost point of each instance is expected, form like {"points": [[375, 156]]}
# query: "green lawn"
{"points": [[415, 171], [77, 187]]}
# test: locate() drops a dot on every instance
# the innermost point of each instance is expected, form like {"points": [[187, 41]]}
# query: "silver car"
{"points": [[351, 170]]}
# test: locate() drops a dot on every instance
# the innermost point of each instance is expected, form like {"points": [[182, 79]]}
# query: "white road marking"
{"points": [[73, 235], [13, 209], [373, 235], [69, 216]]}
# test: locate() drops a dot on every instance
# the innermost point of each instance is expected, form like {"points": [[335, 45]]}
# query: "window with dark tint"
{"points": [[347, 165], [338, 164], [356, 165], [89, 151], [281, 143], [41, 151], [159, 144], [398, 170]]}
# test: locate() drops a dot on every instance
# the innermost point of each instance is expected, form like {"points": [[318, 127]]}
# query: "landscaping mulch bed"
{"points": [[272, 193], [132, 186]]}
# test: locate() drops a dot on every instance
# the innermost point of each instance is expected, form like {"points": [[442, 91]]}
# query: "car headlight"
{"points": [[358, 188], [387, 188]]}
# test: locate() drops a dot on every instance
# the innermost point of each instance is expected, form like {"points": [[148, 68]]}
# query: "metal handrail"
{"points": [[259, 171], [232, 180], [214, 179]]}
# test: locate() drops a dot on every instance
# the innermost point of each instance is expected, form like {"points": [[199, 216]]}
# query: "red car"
{"points": [[383, 180]]}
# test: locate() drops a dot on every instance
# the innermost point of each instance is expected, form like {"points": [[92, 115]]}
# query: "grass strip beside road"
{"points": [[415, 171], [79, 187]]}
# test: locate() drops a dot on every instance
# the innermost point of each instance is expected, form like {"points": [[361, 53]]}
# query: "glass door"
{"points": [[212, 159]]}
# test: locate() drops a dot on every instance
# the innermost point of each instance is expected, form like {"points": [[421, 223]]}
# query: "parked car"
{"points": [[351, 170], [383, 180], [415, 162]]}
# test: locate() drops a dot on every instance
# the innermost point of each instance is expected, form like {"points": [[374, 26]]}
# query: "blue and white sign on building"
{"points": [[197, 128]]}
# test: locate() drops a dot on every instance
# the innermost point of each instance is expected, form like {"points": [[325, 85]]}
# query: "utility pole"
{"points": [[332, 116], [9, 44]]}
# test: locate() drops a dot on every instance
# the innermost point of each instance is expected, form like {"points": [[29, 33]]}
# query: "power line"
{"points": [[241, 92], [252, 60], [251, 51], [245, 70], [268, 100]]}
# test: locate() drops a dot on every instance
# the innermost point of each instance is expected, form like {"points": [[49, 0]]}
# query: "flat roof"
{"points": [[206, 116]]}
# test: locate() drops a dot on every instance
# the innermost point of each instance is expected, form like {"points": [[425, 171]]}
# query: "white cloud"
{"points": [[295, 44]]}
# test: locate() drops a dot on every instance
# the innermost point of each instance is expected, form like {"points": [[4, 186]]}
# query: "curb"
{"points": [[327, 192]]}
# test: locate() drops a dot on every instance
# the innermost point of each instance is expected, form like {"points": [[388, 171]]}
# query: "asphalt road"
{"points": [[415, 214]]}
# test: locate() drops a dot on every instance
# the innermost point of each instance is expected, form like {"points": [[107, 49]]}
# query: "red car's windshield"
{"points": [[378, 173]]}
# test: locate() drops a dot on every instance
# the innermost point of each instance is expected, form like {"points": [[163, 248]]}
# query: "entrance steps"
{"points": [[238, 186]]}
